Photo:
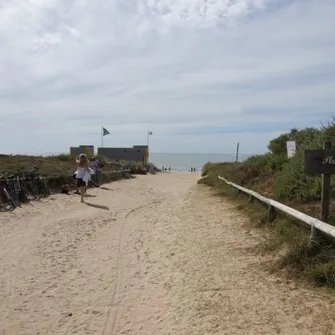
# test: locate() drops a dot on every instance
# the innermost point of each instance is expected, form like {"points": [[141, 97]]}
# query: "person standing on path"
{"points": [[82, 174], [95, 165], [99, 172]]}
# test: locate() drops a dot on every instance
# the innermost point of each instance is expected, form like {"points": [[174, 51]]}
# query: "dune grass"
{"points": [[60, 165], [286, 239], [282, 179]]}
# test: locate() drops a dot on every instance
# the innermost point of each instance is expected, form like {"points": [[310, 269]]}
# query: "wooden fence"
{"points": [[272, 205]]}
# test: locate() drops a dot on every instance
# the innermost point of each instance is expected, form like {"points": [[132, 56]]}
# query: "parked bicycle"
{"points": [[39, 184], [20, 187], [14, 189], [5, 196]]}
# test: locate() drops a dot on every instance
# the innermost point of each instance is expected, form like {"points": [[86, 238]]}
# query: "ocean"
{"points": [[183, 162]]}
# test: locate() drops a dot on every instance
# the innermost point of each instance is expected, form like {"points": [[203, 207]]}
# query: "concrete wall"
{"points": [[82, 149], [146, 152], [75, 151], [127, 154], [88, 150], [138, 153]]}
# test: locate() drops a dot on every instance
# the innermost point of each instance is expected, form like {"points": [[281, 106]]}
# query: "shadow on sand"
{"points": [[6, 209], [96, 206], [105, 188], [90, 196]]}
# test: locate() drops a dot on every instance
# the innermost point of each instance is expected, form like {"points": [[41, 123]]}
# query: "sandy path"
{"points": [[153, 255]]}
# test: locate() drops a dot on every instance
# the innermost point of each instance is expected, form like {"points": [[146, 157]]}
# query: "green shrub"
{"points": [[278, 145], [136, 167], [292, 182], [206, 168], [61, 157], [288, 179], [259, 161], [287, 238], [245, 173], [324, 274]]}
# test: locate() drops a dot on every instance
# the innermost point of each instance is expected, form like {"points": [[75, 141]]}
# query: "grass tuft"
{"points": [[288, 240], [59, 169]]}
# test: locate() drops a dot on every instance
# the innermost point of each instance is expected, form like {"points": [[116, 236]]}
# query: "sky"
{"points": [[202, 75]]}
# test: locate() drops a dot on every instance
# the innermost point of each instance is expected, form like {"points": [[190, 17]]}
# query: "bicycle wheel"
{"points": [[36, 189], [13, 195], [11, 192], [9, 198], [43, 189], [31, 189], [24, 194]]}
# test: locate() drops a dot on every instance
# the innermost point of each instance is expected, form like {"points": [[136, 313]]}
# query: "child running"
{"points": [[83, 174]]}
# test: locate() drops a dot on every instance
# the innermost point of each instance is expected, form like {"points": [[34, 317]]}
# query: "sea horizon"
{"points": [[176, 161], [203, 153], [184, 161]]}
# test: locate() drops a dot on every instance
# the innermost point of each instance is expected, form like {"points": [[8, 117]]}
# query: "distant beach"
{"points": [[184, 161], [181, 161], [157, 254]]}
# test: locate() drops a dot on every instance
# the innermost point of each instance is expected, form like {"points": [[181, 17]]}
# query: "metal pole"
{"points": [[237, 151], [148, 139]]}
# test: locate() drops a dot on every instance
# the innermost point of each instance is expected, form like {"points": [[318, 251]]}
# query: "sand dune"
{"points": [[153, 255]]}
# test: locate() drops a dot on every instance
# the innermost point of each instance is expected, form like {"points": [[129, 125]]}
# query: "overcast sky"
{"points": [[200, 74]]}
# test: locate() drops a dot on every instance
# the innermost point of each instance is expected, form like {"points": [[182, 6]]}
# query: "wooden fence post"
{"points": [[325, 195], [271, 213]]}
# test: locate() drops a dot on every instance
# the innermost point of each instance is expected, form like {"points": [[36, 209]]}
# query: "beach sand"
{"points": [[153, 255]]}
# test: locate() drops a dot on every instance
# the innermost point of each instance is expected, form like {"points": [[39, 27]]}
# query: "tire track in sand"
{"points": [[19, 250], [113, 309]]}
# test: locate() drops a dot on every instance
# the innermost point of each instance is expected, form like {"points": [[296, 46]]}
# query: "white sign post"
{"points": [[291, 148]]}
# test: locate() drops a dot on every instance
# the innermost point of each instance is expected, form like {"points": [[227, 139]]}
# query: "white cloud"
{"points": [[175, 66]]}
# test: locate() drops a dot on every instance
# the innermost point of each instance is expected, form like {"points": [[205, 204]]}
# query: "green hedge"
{"points": [[287, 175]]}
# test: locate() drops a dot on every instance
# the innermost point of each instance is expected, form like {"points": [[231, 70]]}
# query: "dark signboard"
{"points": [[320, 161]]}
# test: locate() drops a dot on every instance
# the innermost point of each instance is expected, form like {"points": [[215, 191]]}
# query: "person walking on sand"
{"points": [[82, 174], [96, 172]]}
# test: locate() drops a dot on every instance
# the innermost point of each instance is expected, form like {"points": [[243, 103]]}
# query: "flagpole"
{"points": [[102, 137], [148, 142]]}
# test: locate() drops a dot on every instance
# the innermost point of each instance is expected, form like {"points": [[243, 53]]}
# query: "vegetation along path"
{"points": [[158, 254]]}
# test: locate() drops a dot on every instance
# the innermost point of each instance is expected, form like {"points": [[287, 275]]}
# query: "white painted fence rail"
{"points": [[313, 222]]}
